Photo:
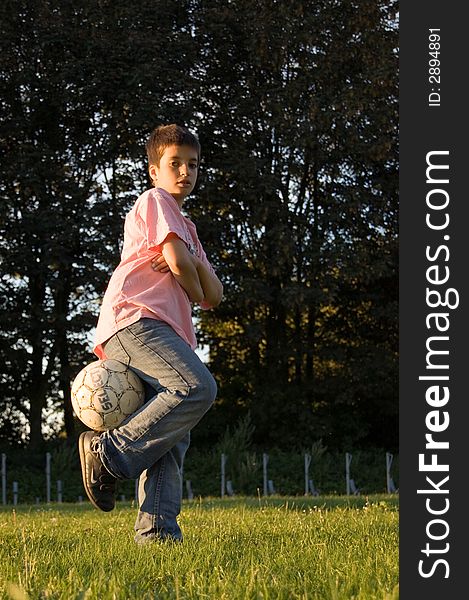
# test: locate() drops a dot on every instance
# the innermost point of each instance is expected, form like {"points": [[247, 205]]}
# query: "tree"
{"points": [[72, 119], [298, 110]]}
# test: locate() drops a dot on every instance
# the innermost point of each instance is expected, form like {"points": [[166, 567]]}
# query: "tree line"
{"points": [[296, 108]]}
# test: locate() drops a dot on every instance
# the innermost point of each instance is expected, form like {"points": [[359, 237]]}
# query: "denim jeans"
{"points": [[151, 443]]}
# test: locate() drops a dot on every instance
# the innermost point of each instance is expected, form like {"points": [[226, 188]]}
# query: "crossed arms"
{"points": [[200, 284]]}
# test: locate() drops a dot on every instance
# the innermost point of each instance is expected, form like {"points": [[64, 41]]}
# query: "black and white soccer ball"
{"points": [[105, 393]]}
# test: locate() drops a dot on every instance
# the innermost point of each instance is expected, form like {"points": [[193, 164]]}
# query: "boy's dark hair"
{"points": [[167, 135]]}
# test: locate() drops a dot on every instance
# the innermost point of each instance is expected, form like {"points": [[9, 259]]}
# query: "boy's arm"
{"points": [[182, 266], [211, 285]]}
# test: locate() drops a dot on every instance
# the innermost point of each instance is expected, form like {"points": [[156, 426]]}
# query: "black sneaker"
{"points": [[100, 485]]}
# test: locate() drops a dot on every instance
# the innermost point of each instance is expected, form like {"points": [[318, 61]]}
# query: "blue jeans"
{"points": [[151, 443]]}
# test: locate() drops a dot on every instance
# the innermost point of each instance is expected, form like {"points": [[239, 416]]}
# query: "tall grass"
{"points": [[238, 548]]}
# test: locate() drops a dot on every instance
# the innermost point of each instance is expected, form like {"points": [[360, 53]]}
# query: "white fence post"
{"points": [[229, 487], [389, 481], [307, 463], [59, 491], [15, 493], [190, 493], [348, 460], [265, 461], [48, 477], [223, 463], [4, 479]]}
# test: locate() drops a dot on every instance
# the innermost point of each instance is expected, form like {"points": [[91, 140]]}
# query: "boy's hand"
{"points": [[159, 264]]}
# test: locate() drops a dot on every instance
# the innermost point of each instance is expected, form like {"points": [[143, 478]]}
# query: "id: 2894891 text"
{"points": [[434, 69]]}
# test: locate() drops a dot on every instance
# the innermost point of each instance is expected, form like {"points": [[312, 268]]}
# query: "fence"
{"points": [[54, 490]]}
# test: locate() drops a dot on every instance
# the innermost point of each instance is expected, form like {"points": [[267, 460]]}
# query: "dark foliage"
{"points": [[297, 202]]}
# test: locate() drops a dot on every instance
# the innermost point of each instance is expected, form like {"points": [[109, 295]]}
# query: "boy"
{"points": [[145, 321]]}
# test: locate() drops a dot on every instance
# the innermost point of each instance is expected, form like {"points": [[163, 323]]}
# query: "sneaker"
{"points": [[100, 485]]}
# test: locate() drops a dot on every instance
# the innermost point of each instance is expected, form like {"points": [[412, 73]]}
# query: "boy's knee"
{"points": [[207, 390], [213, 390]]}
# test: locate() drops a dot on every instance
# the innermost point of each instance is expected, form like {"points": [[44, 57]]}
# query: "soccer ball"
{"points": [[105, 392]]}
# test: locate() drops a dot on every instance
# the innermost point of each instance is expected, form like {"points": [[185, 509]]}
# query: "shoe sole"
{"points": [[81, 450]]}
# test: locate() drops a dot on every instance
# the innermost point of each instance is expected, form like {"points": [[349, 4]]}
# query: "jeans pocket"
{"points": [[114, 349]]}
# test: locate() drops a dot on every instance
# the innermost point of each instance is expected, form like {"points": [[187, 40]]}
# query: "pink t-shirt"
{"points": [[135, 290]]}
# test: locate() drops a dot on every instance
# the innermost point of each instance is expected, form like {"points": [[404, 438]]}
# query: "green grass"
{"points": [[329, 548]]}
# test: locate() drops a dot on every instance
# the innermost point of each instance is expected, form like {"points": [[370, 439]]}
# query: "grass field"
{"points": [[323, 548]]}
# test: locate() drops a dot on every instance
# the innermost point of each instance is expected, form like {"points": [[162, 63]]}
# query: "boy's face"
{"points": [[177, 172]]}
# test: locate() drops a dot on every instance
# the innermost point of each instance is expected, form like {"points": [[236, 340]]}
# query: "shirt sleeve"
{"points": [[160, 216]]}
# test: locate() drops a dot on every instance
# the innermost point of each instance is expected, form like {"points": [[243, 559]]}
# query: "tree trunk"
{"points": [[37, 398], [62, 307], [37, 391]]}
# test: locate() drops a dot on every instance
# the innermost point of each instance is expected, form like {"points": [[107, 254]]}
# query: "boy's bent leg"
{"points": [[160, 497], [152, 442], [184, 391]]}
